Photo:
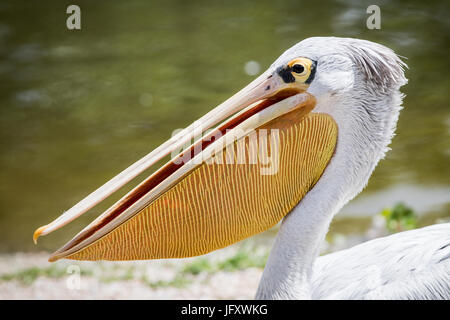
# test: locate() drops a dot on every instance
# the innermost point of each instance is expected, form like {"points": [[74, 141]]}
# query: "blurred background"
{"points": [[77, 107]]}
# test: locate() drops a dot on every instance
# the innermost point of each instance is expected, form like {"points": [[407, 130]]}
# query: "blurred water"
{"points": [[76, 107]]}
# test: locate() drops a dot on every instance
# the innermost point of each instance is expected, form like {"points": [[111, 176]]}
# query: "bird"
{"points": [[295, 145]]}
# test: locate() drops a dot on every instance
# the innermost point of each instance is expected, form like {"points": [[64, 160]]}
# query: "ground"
{"points": [[229, 275]]}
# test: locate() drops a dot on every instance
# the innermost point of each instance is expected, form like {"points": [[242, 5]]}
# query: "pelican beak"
{"points": [[263, 100]]}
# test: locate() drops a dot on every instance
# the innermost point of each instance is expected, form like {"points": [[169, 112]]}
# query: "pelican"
{"points": [[323, 115]]}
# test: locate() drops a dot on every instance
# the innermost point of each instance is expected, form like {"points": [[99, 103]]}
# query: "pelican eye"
{"points": [[298, 68]]}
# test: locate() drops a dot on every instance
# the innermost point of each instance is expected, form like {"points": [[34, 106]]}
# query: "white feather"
{"points": [[407, 265]]}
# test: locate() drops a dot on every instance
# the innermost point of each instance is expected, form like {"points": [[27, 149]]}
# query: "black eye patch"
{"points": [[286, 74], [313, 72]]}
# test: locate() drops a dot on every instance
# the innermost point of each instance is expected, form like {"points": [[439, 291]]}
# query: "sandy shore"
{"points": [[30, 276]]}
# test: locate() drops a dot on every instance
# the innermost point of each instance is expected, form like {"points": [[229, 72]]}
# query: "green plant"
{"points": [[241, 260], [29, 275], [400, 218], [245, 257], [200, 265], [178, 282]]}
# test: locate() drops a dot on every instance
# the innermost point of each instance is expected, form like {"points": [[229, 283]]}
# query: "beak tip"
{"points": [[38, 233]]}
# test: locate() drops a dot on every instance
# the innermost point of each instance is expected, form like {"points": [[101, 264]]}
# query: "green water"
{"points": [[77, 107]]}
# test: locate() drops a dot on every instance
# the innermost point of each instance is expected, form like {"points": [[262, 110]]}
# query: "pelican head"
{"points": [[357, 83], [330, 106]]}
